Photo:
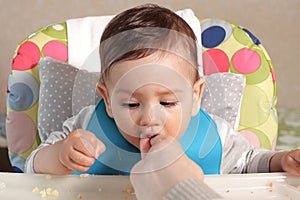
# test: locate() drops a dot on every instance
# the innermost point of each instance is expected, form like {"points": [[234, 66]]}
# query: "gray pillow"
{"points": [[65, 90], [222, 96]]}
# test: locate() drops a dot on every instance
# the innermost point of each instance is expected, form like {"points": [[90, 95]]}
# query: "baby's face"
{"points": [[150, 96]]}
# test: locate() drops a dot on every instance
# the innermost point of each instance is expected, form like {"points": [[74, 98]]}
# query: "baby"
{"points": [[151, 88]]}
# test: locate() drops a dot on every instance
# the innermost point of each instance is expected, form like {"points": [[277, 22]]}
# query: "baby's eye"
{"points": [[168, 103], [131, 105]]}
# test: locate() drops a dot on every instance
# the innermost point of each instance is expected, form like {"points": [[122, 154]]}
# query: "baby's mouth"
{"points": [[145, 142], [150, 135]]}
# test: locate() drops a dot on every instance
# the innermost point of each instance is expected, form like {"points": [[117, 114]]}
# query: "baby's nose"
{"points": [[153, 115]]}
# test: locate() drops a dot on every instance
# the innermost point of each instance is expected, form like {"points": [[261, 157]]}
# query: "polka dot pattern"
{"points": [[28, 55], [214, 32], [56, 50], [23, 91], [251, 137], [20, 139], [254, 39], [255, 107], [223, 43], [57, 31], [251, 63], [222, 96], [215, 61], [56, 95], [63, 97], [258, 138], [84, 91], [246, 61]]}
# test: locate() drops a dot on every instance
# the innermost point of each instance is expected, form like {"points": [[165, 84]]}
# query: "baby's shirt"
{"points": [[238, 155]]}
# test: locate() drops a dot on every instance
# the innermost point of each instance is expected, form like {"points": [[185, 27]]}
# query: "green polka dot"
{"points": [[255, 107], [57, 31], [263, 138], [242, 37]]}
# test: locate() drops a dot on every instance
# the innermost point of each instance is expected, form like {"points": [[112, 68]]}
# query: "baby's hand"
{"points": [[163, 165], [79, 150], [291, 162]]}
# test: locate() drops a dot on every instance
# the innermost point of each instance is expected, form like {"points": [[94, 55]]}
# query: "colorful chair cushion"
{"points": [[226, 48], [23, 89]]}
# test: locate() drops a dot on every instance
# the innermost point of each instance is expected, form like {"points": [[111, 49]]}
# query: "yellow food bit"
{"points": [[48, 177], [271, 184], [55, 193], [46, 192], [84, 175], [43, 193], [35, 190], [298, 186], [128, 190]]}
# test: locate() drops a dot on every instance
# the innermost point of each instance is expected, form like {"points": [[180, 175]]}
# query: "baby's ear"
{"points": [[104, 93], [197, 95]]}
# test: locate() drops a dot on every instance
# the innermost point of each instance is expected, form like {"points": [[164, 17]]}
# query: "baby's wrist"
{"points": [[277, 161]]}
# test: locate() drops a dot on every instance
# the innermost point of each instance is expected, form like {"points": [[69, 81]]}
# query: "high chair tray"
{"points": [[247, 186]]}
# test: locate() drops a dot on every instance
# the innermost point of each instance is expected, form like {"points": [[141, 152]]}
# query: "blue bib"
{"points": [[201, 143]]}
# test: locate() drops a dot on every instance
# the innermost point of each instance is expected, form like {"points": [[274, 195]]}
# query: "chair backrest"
{"points": [[227, 47]]}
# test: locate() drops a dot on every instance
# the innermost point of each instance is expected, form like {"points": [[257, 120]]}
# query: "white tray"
{"points": [[262, 186], [247, 186]]}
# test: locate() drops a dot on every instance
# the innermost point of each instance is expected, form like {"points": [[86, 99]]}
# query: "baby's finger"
{"points": [[92, 145], [71, 165], [81, 160], [144, 146], [160, 141]]}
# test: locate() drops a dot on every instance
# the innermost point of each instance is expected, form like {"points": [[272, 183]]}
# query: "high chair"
{"points": [[227, 47]]}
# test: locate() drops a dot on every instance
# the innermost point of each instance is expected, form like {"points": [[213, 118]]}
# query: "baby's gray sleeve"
{"points": [[238, 155], [76, 122]]}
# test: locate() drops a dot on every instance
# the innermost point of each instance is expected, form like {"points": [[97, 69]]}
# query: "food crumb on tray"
{"points": [[45, 192], [48, 177], [84, 175], [128, 190], [79, 197]]}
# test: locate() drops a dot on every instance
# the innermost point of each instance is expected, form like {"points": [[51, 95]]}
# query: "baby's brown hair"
{"points": [[143, 30]]}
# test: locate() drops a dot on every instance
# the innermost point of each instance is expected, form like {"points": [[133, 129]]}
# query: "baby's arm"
{"points": [[288, 161], [54, 141], [238, 155], [77, 152]]}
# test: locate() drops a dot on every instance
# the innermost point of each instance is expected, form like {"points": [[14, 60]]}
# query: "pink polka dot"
{"points": [[246, 61], [21, 132], [28, 56], [56, 50], [215, 61], [251, 137]]}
